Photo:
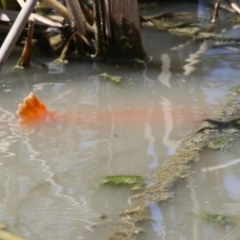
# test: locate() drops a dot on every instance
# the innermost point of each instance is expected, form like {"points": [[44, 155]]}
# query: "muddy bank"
{"points": [[223, 123]]}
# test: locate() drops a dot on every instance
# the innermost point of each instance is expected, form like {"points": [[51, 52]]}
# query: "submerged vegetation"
{"points": [[236, 89], [134, 182], [220, 143], [116, 79], [216, 218]]}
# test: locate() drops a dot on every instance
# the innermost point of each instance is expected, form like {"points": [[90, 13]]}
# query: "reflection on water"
{"points": [[194, 58], [213, 187], [50, 179]]}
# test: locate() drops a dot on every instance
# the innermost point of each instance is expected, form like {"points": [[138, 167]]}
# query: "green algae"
{"points": [[233, 19], [147, 6], [107, 76], [133, 181], [220, 142], [236, 122], [191, 29], [216, 218], [186, 31], [194, 32], [164, 25], [236, 89]]}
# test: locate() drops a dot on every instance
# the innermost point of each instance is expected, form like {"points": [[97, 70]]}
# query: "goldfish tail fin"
{"points": [[32, 109]]}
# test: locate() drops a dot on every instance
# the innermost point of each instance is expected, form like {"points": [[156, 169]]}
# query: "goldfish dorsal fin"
{"points": [[31, 109]]}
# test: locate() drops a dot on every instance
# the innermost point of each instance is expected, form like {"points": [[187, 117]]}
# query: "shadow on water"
{"points": [[50, 177]]}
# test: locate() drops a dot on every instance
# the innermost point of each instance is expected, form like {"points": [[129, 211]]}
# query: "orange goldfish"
{"points": [[32, 111]]}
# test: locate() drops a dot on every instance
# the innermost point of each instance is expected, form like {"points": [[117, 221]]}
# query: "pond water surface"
{"points": [[50, 177]]}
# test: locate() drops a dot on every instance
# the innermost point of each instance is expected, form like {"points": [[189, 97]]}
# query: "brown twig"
{"points": [[24, 60], [65, 49], [10, 16]]}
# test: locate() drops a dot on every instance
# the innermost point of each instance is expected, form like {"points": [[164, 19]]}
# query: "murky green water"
{"points": [[50, 178]]}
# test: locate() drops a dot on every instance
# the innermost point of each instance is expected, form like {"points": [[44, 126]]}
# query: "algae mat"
{"points": [[223, 122]]}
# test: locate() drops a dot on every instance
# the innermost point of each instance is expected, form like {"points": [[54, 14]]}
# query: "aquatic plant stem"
{"points": [[15, 31], [58, 7], [24, 60]]}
